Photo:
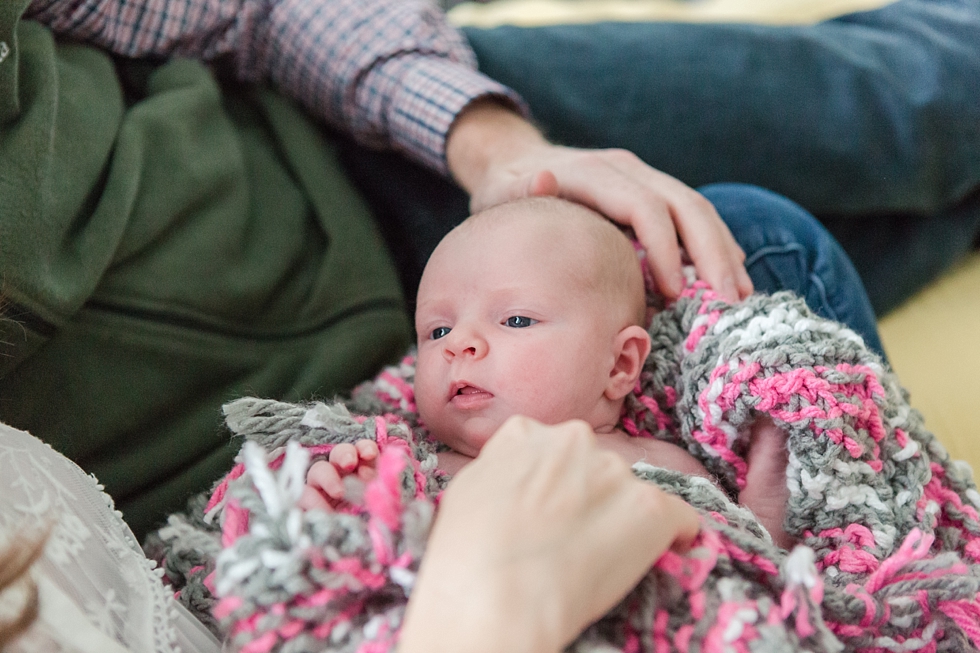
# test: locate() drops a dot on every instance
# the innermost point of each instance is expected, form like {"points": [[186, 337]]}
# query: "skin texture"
{"points": [[765, 491]]}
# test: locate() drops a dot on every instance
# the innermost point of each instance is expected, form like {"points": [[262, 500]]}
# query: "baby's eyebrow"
{"points": [[433, 309], [520, 293]]}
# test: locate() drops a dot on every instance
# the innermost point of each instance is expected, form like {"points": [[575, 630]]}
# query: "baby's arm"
{"points": [[765, 492], [325, 478]]}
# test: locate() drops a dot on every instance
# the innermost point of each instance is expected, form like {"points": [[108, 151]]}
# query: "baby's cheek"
{"points": [[560, 401], [534, 387], [431, 411], [423, 388]]}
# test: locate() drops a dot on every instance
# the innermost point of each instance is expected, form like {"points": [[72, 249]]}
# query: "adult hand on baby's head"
{"points": [[497, 156], [324, 480], [534, 540]]}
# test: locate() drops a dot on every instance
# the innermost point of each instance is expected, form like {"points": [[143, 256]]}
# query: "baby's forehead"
{"points": [[572, 230], [586, 246]]}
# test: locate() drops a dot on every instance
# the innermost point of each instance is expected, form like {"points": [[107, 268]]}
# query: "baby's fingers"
{"points": [[366, 473], [367, 450], [344, 457], [323, 476], [311, 499]]}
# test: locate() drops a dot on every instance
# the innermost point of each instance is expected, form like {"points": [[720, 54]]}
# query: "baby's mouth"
{"points": [[463, 393]]}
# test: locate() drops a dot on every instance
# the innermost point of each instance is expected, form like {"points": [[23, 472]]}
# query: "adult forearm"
{"points": [[392, 73]]}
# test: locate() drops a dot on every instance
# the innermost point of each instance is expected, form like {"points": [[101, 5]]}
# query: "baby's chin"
{"points": [[467, 439]]}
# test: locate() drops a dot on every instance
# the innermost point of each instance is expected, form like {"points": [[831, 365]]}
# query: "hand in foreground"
{"points": [[498, 156], [324, 480], [534, 540]]}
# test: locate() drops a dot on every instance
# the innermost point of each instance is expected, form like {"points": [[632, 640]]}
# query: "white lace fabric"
{"points": [[98, 592]]}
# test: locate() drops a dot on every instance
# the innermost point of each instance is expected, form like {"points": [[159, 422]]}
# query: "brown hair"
{"points": [[15, 562]]}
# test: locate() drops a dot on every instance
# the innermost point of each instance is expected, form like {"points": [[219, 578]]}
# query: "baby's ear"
{"points": [[630, 348]]}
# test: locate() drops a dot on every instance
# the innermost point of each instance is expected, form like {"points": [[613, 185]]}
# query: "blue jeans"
{"points": [[870, 121], [785, 246]]}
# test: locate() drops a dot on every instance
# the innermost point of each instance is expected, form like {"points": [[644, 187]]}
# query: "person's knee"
{"points": [[786, 248], [761, 218]]}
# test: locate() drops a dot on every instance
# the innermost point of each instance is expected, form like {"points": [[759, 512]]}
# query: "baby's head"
{"points": [[534, 307]]}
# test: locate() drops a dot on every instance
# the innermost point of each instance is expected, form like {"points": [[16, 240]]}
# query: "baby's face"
{"points": [[508, 324]]}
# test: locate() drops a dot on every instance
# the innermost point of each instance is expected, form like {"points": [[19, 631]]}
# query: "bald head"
{"points": [[596, 253]]}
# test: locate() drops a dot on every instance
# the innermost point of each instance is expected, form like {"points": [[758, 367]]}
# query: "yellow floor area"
{"points": [[933, 342], [532, 13]]}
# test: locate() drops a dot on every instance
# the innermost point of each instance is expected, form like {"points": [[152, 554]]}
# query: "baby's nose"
{"points": [[467, 342]]}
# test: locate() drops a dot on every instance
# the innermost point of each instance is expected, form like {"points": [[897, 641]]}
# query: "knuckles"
{"points": [[702, 203], [619, 156]]}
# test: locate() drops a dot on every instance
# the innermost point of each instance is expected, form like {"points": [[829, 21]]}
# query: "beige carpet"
{"points": [[933, 342]]}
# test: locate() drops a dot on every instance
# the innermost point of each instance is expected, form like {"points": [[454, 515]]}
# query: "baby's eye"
{"points": [[519, 322], [439, 332]]}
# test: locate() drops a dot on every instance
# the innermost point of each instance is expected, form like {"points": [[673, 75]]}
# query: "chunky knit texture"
{"points": [[888, 523]]}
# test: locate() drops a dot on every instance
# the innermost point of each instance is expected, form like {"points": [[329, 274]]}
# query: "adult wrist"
{"points": [[487, 134], [464, 611], [477, 594]]}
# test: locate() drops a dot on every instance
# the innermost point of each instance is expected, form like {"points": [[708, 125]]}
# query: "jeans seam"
{"points": [[815, 279], [771, 249], [824, 300]]}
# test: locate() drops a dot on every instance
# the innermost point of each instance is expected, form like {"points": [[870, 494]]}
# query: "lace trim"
{"points": [[38, 487]]}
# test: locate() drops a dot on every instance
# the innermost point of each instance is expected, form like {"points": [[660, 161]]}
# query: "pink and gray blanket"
{"points": [[888, 523]]}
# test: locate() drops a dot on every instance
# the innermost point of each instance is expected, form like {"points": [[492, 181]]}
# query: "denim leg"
{"points": [[786, 248], [876, 112], [860, 118], [896, 255]]}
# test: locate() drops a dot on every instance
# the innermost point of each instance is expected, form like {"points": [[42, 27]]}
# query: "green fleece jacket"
{"points": [[169, 242]]}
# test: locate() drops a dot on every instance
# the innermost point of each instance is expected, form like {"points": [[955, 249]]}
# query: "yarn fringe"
{"points": [[889, 554]]}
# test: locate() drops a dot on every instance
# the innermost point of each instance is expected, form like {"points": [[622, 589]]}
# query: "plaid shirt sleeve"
{"points": [[392, 73]]}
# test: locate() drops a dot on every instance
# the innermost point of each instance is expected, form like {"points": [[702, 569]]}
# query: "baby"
{"points": [[537, 308]]}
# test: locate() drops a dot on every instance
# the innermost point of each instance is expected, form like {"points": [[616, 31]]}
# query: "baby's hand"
{"points": [[324, 481]]}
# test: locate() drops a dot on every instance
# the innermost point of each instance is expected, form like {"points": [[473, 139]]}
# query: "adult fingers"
{"points": [[688, 523], [716, 255], [657, 206], [567, 519], [590, 178], [512, 185]]}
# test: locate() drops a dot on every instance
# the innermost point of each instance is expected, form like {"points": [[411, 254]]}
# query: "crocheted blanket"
{"points": [[888, 524]]}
